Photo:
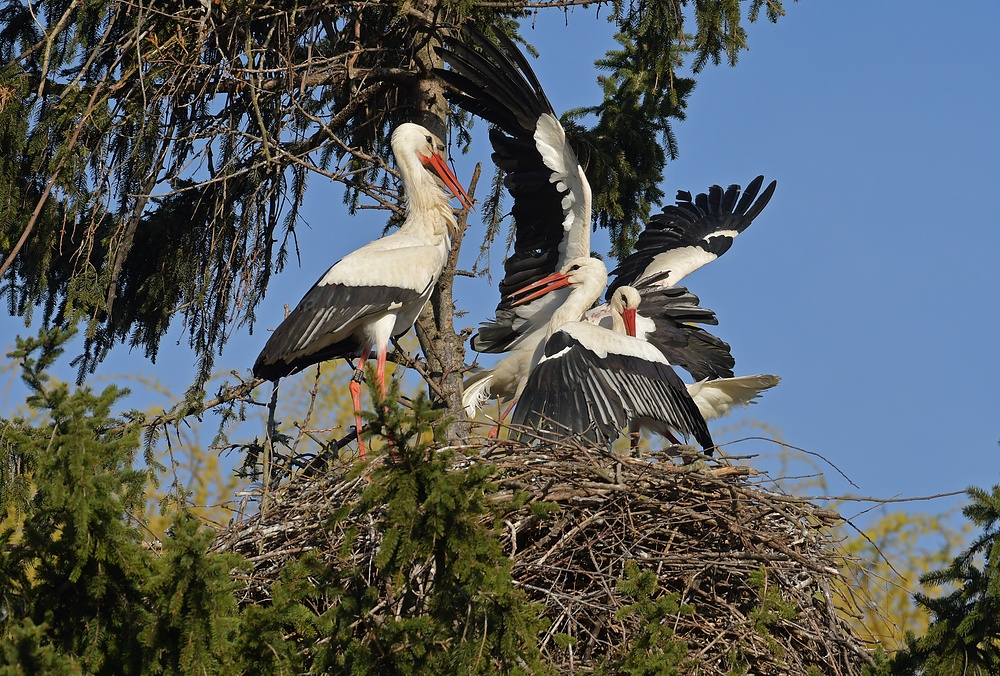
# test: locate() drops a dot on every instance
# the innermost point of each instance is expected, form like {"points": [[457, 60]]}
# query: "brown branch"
{"points": [[794, 448], [705, 535], [514, 4], [236, 392], [67, 152]]}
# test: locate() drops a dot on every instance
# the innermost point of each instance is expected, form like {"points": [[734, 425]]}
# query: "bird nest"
{"points": [[756, 574]]}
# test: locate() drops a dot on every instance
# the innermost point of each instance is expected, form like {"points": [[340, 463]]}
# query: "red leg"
{"points": [[495, 430], [380, 373], [380, 370], [355, 388]]}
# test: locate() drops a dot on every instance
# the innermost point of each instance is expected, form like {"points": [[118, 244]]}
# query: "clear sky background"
{"points": [[870, 281]]}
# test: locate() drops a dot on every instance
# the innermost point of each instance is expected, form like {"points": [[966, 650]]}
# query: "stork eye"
{"points": [[429, 140]]}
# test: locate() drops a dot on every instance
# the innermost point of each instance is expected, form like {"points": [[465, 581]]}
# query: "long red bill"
{"points": [[628, 316], [437, 164], [556, 280]]}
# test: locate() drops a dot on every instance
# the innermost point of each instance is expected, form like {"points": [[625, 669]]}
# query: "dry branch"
{"points": [[703, 529]]}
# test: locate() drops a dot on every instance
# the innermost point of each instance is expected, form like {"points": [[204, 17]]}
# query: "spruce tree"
{"points": [[437, 596], [964, 633], [82, 589], [73, 572], [191, 617], [153, 163]]}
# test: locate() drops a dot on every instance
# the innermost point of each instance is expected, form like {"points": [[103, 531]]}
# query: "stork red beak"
{"points": [[556, 280], [437, 164], [628, 316]]}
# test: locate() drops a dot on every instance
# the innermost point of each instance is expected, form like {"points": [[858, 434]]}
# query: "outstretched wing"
{"points": [[550, 192], [673, 313], [691, 233], [716, 398], [668, 318], [591, 382]]}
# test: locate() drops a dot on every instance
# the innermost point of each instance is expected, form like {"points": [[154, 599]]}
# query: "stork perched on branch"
{"points": [[375, 293]]}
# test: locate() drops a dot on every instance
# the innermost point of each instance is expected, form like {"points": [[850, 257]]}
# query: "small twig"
{"points": [[794, 448], [225, 396], [878, 501], [313, 392]]}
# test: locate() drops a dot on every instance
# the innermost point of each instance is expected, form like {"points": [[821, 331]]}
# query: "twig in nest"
{"points": [[728, 548], [795, 448]]}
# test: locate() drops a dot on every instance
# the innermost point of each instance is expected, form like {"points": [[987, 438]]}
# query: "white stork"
{"points": [[376, 292], [590, 381], [552, 217], [715, 397], [667, 317], [668, 320]]}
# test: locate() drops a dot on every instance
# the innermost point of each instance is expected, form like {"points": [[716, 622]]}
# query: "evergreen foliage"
{"points": [[439, 598], [443, 534], [964, 633], [771, 610], [289, 634], [191, 619], [81, 591], [654, 650], [72, 571], [627, 150], [153, 160]]}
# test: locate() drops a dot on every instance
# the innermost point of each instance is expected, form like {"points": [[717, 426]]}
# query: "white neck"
{"points": [[580, 299], [617, 322], [428, 204]]}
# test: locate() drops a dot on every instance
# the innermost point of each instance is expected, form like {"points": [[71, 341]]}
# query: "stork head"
{"points": [[417, 149], [590, 273], [624, 303]]}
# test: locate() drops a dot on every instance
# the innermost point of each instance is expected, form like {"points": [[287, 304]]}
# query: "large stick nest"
{"points": [[731, 550]]}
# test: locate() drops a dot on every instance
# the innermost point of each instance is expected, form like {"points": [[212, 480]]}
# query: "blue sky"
{"points": [[869, 283]]}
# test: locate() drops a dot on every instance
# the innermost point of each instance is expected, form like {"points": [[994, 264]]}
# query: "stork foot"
{"points": [[495, 430]]}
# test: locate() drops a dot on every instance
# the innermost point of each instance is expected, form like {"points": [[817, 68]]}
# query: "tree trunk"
{"points": [[443, 348]]}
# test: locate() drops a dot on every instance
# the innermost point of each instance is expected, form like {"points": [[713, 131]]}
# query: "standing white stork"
{"points": [[714, 397], [552, 218], [376, 292], [591, 381]]}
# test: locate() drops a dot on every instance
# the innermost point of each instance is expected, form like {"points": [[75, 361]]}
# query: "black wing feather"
{"points": [[496, 82], [694, 222], [573, 391], [321, 326], [674, 311]]}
